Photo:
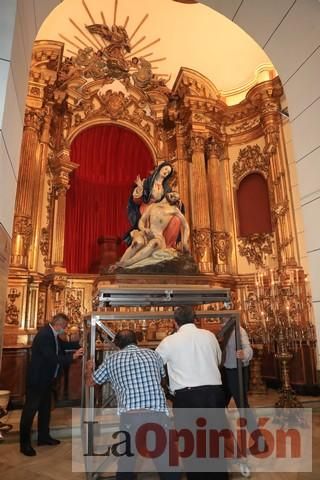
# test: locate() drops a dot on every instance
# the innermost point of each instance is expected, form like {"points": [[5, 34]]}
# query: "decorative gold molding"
{"points": [[250, 159], [61, 167], [201, 239], [22, 236], [74, 304], [221, 245], [12, 311], [33, 119], [197, 143], [255, 247], [214, 148]]}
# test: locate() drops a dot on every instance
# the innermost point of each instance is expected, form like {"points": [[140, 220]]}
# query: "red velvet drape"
{"points": [[253, 205], [109, 158]]}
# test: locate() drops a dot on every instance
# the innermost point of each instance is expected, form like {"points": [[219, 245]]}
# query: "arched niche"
{"points": [[253, 205], [109, 157]]}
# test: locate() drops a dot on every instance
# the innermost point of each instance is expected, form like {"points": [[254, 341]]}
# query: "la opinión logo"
{"points": [[200, 441]]}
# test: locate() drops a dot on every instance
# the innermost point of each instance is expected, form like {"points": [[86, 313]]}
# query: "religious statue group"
{"points": [[159, 230]]}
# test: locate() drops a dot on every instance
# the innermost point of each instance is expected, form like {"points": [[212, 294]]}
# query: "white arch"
{"points": [[289, 32]]}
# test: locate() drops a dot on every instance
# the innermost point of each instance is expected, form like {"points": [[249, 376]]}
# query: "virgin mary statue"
{"points": [[150, 190]]}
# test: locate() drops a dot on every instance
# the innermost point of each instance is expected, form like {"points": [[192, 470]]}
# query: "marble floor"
{"points": [[53, 463]]}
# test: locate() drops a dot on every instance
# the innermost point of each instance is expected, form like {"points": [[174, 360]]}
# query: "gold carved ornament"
{"points": [[33, 119], [112, 59], [74, 300], [202, 241], [12, 311], [23, 227], [41, 308], [254, 247], [221, 245], [214, 148], [250, 159]]}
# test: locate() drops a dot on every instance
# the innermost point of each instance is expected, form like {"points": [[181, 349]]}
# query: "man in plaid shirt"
{"points": [[135, 375]]}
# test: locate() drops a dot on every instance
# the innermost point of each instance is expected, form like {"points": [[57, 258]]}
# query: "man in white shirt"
{"points": [[192, 356]]}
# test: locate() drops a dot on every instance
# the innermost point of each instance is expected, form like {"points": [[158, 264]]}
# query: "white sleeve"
{"points": [[163, 350], [217, 348], [245, 345]]}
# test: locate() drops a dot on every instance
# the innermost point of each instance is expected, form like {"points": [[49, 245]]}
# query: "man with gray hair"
{"points": [[48, 357]]}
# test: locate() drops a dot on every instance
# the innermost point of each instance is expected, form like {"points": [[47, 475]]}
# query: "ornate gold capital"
{"points": [[61, 167], [202, 241], [33, 119], [255, 246], [197, 143], [214, 148]]}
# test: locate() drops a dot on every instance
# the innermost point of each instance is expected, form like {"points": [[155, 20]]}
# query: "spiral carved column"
{"points": [[201, 233]]}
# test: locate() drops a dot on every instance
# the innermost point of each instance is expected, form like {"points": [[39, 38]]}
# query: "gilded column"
{"points": [[39, 200], [201, 231], [28, 176], [229, 209], [61, 168], [182, 167], [270, 120], [220, 237]]}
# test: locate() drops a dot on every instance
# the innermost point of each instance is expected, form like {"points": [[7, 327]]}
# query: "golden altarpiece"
{"points": [[212, 147]]}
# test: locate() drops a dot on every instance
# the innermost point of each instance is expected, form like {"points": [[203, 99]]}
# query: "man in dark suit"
{"points": [[48, 358]]}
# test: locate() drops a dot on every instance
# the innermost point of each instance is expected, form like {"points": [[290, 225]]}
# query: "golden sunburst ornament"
{"points": [[109, 52]]}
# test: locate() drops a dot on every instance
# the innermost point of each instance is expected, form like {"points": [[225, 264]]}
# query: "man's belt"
{"points": [[200, 387]]}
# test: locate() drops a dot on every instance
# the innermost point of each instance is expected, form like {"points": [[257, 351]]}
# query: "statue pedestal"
{"points": [[187, 281], [206, 292]]}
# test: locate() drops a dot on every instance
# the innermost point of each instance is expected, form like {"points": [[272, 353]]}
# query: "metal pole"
{"points": [[240, 381], [89, 400]]}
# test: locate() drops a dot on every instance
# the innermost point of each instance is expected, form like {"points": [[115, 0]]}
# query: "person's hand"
{"points": [[90, 366], [78, 353], [240, 354], [139, 182]]}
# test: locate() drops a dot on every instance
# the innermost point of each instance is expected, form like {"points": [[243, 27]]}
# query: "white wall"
{"points": [[19, 22]]}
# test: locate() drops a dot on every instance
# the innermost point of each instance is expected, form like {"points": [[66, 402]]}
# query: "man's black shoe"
{"points": [[49, 441], [27, 450]]}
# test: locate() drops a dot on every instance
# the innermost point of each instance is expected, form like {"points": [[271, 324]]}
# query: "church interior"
{"points": [[117, 89]]}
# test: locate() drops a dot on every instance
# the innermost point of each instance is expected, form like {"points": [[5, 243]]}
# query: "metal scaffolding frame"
{"points": [[96, 322]]}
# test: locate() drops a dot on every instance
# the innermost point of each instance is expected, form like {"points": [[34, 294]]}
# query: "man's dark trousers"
{"points": [[207, 396], [38, 399]]}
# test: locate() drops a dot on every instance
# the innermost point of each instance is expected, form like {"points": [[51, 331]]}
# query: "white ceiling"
{"points": [[192, 36]]}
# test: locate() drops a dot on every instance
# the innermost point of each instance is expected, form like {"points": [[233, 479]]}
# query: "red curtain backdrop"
{"points": [[109, 158], [253, 205]]}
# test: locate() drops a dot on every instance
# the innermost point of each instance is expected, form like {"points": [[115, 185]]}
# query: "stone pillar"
{"points": [[61, 168], [201, 228], [182, 167], [220, 237], [28, 176]]}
